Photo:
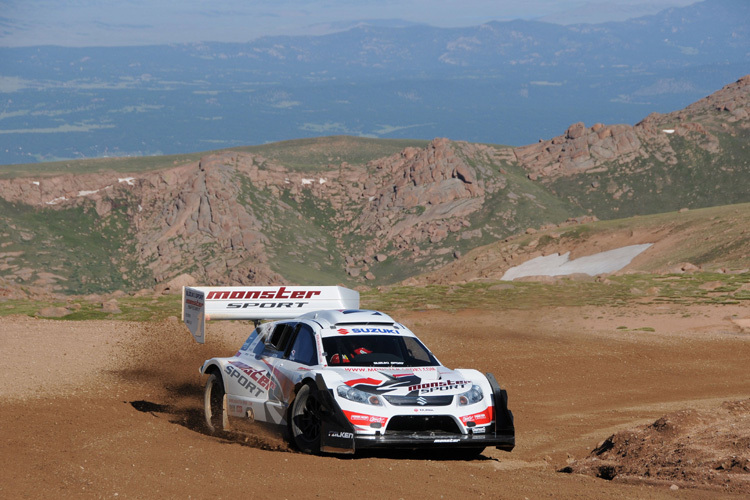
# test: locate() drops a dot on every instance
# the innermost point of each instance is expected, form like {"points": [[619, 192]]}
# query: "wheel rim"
{"points": [[307, 419]]}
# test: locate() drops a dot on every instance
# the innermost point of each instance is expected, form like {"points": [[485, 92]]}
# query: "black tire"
{"points": [[305, 420], [214, 405]]}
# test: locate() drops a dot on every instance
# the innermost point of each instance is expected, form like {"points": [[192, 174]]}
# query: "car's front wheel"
{"points": [[214, 405], [305, 421]]}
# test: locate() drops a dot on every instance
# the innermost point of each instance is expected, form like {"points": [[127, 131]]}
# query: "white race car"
{"points": [[341, 379]]}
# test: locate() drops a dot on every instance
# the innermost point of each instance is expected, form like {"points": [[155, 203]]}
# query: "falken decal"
{"points": [[342, 435]]}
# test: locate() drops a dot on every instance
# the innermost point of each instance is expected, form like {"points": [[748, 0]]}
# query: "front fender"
{"points": [[336, 432], [504, 425], [475, 376]]}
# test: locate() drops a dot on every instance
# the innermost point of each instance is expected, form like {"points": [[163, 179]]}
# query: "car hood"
{"points": [[403, 381]]}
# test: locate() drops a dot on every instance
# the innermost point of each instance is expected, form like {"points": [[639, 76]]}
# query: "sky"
{"points": [[143, 22]]}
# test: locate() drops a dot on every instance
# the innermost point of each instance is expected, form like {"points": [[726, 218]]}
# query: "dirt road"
{"points": [[113, 409]]}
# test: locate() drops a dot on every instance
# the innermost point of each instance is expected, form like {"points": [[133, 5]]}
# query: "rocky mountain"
{"points": [[253, 216], [692, 157], [237, 217]]}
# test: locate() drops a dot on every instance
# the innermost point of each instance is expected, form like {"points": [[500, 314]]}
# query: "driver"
{"points": [[337, 359]]}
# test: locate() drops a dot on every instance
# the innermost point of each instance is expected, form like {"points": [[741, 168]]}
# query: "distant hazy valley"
{"points": [[500, 83]]}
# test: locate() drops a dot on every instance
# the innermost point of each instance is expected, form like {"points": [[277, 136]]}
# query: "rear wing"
{"points": [[201, 304]]}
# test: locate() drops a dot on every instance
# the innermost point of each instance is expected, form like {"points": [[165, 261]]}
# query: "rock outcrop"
{"points": [[580, 149], [215, 218], [586, 149], [421, 195]]}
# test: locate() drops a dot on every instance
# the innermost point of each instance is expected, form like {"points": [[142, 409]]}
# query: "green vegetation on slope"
{"points": [[71, 250], [133, 308], [650, 185], [617, 291], [92, 166], [301, 247], [316, 154], [300, 154]]}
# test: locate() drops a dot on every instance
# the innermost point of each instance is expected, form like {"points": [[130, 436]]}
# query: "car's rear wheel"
{"points": [[305, 421], [214, 405]]}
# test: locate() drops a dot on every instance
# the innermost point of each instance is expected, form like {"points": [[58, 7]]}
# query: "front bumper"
{"points": [[435, 441], [338, 434]]}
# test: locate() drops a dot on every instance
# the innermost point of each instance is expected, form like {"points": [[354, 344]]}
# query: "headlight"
{"points": [[358, 396], [474, 395]]}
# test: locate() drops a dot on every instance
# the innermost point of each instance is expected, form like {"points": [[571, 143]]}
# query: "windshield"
{"points": [[377, 350]]}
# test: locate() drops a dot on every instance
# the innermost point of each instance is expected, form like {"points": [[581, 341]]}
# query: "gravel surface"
{"points": [[106, 409]]}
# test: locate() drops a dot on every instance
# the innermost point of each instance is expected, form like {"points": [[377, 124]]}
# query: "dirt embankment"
{"points": [[113, 409], [683, 449]]}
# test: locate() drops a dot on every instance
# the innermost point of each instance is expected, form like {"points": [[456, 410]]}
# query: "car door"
{"points": [[299, 355], [282, 387], [250, 381]]}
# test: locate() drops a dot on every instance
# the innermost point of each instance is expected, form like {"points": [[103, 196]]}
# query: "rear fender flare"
{"points": [[214, 366]]}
